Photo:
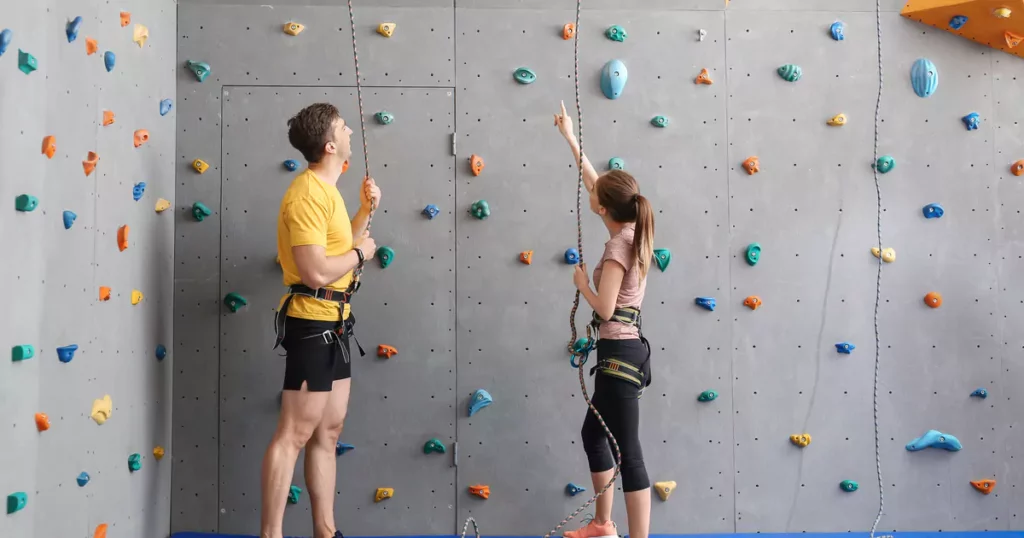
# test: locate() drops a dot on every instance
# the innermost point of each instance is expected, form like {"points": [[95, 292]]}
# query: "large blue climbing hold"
{"points": [[972, 121], [572, 256], [957, 22], [935, 439], [980, 393], [109, 59], [83, 479], [706, 302], [5, 40], [924, 77], [165, 106], [342, 448], [933, 211], [481, 399], [161, 352], [69, 219], [613, 79], [431, 211], [291, 165], [66, 353], [72, 28], [573, 490], [138, 190], [845, 348], [838, 30]]}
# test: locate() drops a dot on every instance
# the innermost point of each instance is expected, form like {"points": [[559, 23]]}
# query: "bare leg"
{"points": [[301, 412], [321, 460], [603, 506], [638, 510]]}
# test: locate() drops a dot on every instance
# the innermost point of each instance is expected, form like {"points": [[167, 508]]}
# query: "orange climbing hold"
{"points": [[89, 164], [108, 118], [344, 167], [526, 257], [481, 490], [1012, 38], [122, 238], [985, 486], [101, 531], [91, 46], [933, 299], [141, 137], [49, 146], [568, 31], [42, 422], [386, 351], [703, 78], [104, 293], [476, 164], [752, 165], [1017, 168], [752, 302], [126, 19]]}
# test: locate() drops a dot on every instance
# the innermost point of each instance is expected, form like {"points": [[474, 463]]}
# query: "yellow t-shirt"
{"points": [[313, 213]]}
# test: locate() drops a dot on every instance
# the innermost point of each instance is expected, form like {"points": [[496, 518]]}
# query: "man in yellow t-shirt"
{"points": [[318, 255]]}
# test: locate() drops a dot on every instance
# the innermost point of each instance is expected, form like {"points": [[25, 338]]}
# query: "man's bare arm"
{"points": [[317, 269]]}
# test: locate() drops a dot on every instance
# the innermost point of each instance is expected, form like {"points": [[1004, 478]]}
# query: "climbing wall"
{"points": [[465, 314], [52, 273]]}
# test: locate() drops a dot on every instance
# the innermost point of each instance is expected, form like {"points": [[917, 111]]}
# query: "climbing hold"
{"points": [[22, 352], [140, 35], [885, 164], [126, 19], [101, 531], [659, 121], [200, 166], [109, 60], [526, 257], [845, 348], [83, 479], [701, 34], [434, 445], [134, 462], [91, 46], [573, 490], [383, 493], [613, 79], [140, 137], [616, 163], [524, 75], [572, 256], [1012, 38], [752, 302], [42, 422], [1017, 168], [161, 352], [108, 118], [1002, 12], [385, 255], [752, 165], [665, 489], [887, 254], [293, 28], [703, 78], [386, 351], [957, 22], [790, 72], [935, 439], [476, 164], [933, 299], [707, 396], [101, 409], [291, 165], [138, 190], [26, 202], [384, 117], [753, 253], [136, 297], [431, 211], [162, 205], [122, 237], [69, 219], [200, 211], [5, 40], [706, 302], [72, 28], [933, 211], [480, 209], [104, 293], [89, 164], [568, 31], [985, 486], [980, 393], [837, 121], [386, 29], [924, 77], [235, 302], [200, 69], [49, 146], [294, 493], [480, 490], [662, 257], [481, 399], [66, 353], [838, 30], [848, 486], [158, 453], [16, 501], [616, 33], [342, 448], [26, 62], [972, 121], [800, 439]]}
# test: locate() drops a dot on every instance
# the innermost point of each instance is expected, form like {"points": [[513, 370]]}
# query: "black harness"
{"points": [[637, 374], [346, 330]]}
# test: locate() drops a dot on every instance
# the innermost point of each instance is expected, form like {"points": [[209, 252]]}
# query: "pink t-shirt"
{"points": [[631, 293]]}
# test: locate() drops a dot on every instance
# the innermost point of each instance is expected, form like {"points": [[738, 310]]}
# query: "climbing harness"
{"points": [[358, 271], [878, 274], [322, 294], [636, 374]]}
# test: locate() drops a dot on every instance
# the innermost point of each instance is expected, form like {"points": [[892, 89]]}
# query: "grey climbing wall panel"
{"points": [[51, 275]]}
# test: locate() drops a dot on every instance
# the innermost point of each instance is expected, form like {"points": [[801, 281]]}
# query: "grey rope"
{"points": [[465, 527], [878, 274]]}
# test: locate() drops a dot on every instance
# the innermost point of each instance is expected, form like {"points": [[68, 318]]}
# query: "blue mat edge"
{"points": [[914, 534]]}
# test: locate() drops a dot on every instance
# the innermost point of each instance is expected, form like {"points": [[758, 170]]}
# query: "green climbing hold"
{"points": [[616, 163], [524, 75], [23, 352], [26, 202], [480, 209], [235, 302], [707, 396], [662, 256], [753, 253], [384, 117], [849, 486], [200, 211], [616, 33], [26, 62], [434, 445], [294, 493], [884, 164], [386, 255], [659, 121], [134, 462], [16, 501], [790, 72]]}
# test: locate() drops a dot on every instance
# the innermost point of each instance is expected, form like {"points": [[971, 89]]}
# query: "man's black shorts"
{"points": [[317, 353]]}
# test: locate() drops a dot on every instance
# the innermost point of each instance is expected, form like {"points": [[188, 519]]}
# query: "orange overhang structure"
{"points": [[994, 23]]}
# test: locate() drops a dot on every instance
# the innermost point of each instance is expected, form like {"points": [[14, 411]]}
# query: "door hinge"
{"points": [[455, 453], [453, 144]]}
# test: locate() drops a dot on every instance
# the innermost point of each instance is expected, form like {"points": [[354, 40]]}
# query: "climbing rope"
{"points": [[362, 124], [878, 274], [465, 527]]}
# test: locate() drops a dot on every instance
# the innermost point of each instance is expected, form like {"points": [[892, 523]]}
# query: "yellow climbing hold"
{"points": [[293, 28], [888, 255], [383, 493], [101, 409], [386, 29], [800, 439], [140, 35], [1002, 12], [136, 297], [665, 489], [200, 165], [158, 453], [162, 205], [837, 121]]}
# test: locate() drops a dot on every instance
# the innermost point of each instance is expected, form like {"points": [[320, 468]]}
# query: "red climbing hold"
{"points": [[386, 351], [526, 257], [49, 146], [476, 164], [89, 164], [481, 490], [122, 238], [933, 299], [704, 78], [568, 31]]}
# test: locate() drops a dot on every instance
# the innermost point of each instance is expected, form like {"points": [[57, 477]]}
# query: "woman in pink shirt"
{"points": [[623, 354]]}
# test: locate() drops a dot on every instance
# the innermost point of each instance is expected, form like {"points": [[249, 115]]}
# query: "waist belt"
{"points": [[626, 315], [322, 294]]}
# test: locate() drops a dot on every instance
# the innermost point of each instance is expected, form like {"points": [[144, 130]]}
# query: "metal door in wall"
{"points": [[397, 404]]}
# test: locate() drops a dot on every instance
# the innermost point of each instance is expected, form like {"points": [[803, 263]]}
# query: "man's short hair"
{"points": [[312, 128]]}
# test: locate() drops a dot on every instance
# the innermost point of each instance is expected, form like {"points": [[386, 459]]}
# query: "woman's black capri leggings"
{"points": [[618, 401]]}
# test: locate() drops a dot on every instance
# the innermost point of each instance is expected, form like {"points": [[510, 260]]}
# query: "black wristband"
{"points": [[359, 252]]}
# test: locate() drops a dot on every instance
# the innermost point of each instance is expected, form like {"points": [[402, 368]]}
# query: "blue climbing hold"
{"points": [[291, 165], [431, 211], [706, 302], [109, 59], [933, 211], [838, 30], [613, 79], [66, 353], [616, 163], [342, 448], [72, 28], [481, 399], [972, 121], [573, 490], [957, 22], [161, 352], [5, 40], [138, 190], [165, 106], [845, 348], [980, 393], [83, 479], [572, 256], [69, 219], [936, 439], [924, 77]]}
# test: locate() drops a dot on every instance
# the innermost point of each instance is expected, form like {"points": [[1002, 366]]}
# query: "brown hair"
{"points": [[312, 128], [618, 192]]}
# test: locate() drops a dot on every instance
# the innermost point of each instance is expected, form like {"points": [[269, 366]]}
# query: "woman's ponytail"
{"points": [[643, 236]]}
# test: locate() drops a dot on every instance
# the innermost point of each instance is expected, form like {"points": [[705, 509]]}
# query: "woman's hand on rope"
{"points": [[370, 194], [564, 123], [580, 277]]}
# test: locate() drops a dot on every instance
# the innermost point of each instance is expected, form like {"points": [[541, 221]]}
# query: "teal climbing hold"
{"points": [[16, 501], [616, 33], [884, 164], [573, 490], [386, 255], [980, 393], [662, 256], [83, 479], [235, 302], [384, 117], [659, 121], [434, 445], [924, 77], [161, 352], [849, 486], [753, 253], [134, 462], [109, 60], [616, 163], [26, 202], [66, 353], [294, 493], [613, 79], [342, 448], [200, 69], [790, 72], [23, 352], [26, 62], [481, 399], [936, 439], [524, 75], [69, 219], [707, 396], [480, 209], [200, 211]]}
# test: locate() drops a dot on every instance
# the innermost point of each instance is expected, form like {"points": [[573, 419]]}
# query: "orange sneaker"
{"points": [[594, 530]]}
